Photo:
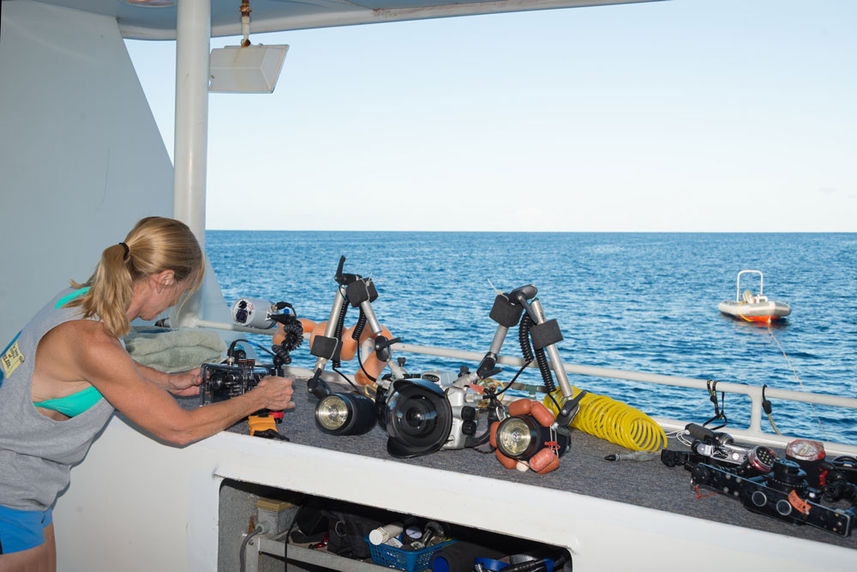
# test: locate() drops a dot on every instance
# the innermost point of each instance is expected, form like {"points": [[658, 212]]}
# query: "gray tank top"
{"points": [[36, 453]]}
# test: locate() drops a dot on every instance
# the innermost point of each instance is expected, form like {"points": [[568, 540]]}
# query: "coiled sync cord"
{"points": [[612, 420], [340, 323], [538, 355]]}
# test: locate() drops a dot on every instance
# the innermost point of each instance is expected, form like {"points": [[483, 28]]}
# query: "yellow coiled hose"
{"points": [[614, 421]]}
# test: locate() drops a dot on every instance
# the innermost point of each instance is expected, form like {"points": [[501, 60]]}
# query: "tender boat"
{"points": [[753, 307], [82, 160]]}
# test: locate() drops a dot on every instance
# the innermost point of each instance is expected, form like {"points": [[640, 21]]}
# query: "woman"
{"points": [[67, 370]]}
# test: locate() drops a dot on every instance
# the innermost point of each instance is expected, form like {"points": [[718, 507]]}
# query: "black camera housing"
{"points": [[783, 494], [221, 382]]}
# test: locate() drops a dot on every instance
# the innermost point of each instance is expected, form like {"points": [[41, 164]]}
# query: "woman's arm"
{"points": [[185, 383], [100, 359]]}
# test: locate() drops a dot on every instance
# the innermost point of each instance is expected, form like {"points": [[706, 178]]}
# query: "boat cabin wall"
{"points": [[81, 155]]}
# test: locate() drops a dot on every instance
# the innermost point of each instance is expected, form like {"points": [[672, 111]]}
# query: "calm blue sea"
{"points": [[644, 302]]}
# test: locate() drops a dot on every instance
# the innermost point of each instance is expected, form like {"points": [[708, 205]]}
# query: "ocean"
{"points": [[643, 302]]}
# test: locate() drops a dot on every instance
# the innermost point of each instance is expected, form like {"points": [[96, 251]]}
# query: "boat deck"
{"points": [[583, 470]]}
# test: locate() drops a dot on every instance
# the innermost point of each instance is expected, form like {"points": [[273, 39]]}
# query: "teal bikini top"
{"points": [[73, 404], [76, 403]]}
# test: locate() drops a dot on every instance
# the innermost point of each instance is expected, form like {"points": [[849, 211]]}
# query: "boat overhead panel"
{"points": [[158, 21]]}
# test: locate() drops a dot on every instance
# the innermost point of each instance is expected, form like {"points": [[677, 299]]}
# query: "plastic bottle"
{"points": [[382, 534]]}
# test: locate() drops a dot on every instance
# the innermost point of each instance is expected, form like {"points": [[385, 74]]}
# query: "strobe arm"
{"points": [[546, 334], [506, 311], [327, 347], [569, 410], [361, 293]]}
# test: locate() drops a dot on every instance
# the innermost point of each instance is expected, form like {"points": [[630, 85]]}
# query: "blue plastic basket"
{"points": [[401, 559]]}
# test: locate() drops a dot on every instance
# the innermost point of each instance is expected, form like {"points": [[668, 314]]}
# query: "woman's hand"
{"points": [[276, 392], [186, 383]]}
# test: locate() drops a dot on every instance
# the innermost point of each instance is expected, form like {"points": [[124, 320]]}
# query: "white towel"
{"points": [[173, 351]]}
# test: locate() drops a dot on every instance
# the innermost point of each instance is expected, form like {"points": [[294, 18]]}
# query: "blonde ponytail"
{"points": [[154, 244]]}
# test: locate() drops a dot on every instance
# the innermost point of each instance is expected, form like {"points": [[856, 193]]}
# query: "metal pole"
{"points": [[193, 31]]}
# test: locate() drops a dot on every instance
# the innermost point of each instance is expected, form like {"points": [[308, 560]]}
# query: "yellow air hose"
{"points": [[613, 421]]}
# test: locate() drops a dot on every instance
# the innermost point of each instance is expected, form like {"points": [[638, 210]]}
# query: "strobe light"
{"points": [[529, 436], [520, 437], [253, 313], [805, 450], [345, 414], [810, 456], [418, 418]]}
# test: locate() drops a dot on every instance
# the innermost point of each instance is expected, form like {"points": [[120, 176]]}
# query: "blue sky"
{"points": [[687, 115]]}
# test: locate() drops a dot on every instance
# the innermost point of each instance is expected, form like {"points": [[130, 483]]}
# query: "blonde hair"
{"points": [[154, 245]]}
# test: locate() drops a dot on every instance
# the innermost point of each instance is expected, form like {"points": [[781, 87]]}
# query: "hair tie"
{"points": [[127, 250]]}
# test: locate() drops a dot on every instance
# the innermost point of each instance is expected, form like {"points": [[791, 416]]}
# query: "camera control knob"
{"points": [[759, 498]]}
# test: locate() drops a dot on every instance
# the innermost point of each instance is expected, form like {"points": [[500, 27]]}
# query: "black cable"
{"points": [[351, 383], [261, 347], [558, 408], [340, 324], [299, 503], [524, 337], [286, 543], [544, 368], [540, 357], [359, 326], [231, 350], [360, 362], [281, 305], [508, 385]]}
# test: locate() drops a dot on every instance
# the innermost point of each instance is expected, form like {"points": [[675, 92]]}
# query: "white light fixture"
{"points": [[245, 68]]}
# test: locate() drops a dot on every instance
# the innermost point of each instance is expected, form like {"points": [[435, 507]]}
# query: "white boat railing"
{"points": [[753, 431]]}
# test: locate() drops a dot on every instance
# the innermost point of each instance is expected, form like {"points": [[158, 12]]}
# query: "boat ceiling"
{"points": [[139, 21]]}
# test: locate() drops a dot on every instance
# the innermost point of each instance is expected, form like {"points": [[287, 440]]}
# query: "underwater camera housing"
{"points": [[426, 414], [767, 484], [221, 382], [782, 493]]}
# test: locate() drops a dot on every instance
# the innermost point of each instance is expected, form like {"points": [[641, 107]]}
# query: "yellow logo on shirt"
{"points": [[11, 359]]}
